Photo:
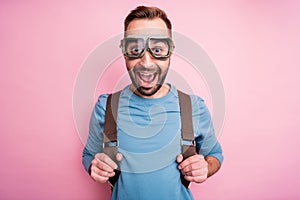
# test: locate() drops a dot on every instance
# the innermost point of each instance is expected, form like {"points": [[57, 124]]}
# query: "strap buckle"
{"points": [[184, 142], [112, 143]]}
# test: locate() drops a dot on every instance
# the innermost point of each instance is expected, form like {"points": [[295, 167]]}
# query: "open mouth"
{"points": [[147, 77]]}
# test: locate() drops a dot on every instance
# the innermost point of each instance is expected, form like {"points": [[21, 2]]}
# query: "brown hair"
{"points": [[144, 12]]}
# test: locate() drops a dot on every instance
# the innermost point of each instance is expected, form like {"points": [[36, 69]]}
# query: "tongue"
{"points": [[147, 77]]}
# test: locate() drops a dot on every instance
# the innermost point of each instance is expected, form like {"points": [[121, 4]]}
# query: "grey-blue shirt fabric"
{"points": [[149, 133]]}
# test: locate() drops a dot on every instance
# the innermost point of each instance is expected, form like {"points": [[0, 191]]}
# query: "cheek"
{"points": [[164, 65], [129, 64]]}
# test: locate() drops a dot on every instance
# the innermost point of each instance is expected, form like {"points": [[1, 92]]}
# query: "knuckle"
{"points": [[94, 176], [192, 173], [104, 173], [186, 169], [103, 179], [97, 155], [105, 159], [195, 166], [92, 167], [189, 178], [98, 178], [101, 156], [198, 157], [189, 160], [199, 180], [94, 162]]}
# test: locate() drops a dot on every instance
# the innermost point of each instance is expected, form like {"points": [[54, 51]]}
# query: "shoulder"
{"points": [[100, 106], [199, 107], [102, 99], [197, 101], [194, 98]]}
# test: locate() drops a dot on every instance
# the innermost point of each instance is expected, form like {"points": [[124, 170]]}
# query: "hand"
{"points": [[102, 167], [194, 168]]}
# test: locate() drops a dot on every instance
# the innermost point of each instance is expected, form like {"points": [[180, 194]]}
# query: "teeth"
{"points": [[147, 77]]}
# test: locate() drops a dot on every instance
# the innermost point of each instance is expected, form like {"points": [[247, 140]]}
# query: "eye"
{"points": [[135, 50], [159, 47], [134, 47], [157, 50]]}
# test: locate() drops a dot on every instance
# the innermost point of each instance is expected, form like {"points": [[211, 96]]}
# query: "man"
{"points": [[149, 121]]}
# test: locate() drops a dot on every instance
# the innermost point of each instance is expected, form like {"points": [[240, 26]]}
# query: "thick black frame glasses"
{"points": [[159, 48]]}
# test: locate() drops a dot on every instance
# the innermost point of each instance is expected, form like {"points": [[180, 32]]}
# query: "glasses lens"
{"points": [[134, 46], [160, 47]]}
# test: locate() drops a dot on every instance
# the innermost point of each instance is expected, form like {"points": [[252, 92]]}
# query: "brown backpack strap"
{"points": [[110, 137], [188, 147]]}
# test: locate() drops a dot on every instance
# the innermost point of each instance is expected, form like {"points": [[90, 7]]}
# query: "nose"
{"points": [[147, 59]]}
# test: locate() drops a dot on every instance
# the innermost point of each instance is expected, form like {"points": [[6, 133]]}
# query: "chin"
{"points": [[149, 91]]}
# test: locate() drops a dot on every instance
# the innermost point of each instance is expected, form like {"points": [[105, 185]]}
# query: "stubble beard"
{"points": [[147, 91]]}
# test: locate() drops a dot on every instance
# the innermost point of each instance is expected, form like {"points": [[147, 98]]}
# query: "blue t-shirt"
{"points": [[149, 133]]}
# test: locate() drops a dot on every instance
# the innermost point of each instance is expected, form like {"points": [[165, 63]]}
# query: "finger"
{"points": [[197, 179], [106, 159], [193, 173], [199, 172], [119, 157], [99, 179], [200, 165], [102, 165], [179, 158], [190, 160], [185, 163], [102, 173]]}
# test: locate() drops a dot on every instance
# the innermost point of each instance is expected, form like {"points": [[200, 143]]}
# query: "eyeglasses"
{"points": [[159, 48]]}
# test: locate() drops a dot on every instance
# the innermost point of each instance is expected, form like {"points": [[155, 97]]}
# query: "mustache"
{"points": [[152, 69]]}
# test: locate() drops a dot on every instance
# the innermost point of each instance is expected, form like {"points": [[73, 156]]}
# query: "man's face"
{"points": [[147, 73]]}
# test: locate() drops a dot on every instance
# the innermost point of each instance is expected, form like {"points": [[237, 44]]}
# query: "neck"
{"points": [[163, 91]]}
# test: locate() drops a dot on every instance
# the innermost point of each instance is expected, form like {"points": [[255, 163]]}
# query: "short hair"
{"points": [[145, 12]]}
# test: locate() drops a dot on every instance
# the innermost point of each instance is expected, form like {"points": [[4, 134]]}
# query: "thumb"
{"points": [[179, 158], [119, 157]]}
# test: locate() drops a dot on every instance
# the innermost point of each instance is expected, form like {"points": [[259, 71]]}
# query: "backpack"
{"points": [[110, 138]]}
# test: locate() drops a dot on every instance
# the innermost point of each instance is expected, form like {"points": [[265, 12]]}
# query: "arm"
{"points": [[213, 165], [99, 166], [208, 161]]}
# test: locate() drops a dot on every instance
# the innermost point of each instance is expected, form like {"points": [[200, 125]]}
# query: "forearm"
{"points": [[87, 160], [213, 165]]}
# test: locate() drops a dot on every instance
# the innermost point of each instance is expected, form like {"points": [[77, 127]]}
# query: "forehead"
{"points": [[147, 28]]}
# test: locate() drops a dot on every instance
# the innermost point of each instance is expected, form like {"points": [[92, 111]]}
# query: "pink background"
{"points": [[254, 45]]}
